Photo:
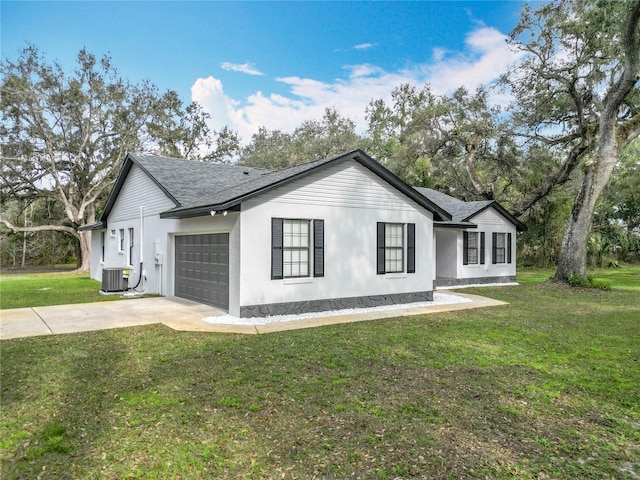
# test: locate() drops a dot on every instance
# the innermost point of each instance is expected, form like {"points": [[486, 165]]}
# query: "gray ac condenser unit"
{"points": [[113, 280]]}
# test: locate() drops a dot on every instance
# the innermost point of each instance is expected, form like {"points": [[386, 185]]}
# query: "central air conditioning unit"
{"points": [[113, 280]]}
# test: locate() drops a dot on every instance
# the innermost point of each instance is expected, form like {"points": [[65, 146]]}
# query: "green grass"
{"points": [[626, 277], [545, 387], [40, 289]]}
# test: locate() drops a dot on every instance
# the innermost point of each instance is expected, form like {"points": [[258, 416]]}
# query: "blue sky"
{"points": [[274, 64]]}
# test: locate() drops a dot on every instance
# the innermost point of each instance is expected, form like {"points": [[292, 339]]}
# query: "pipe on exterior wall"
{"points": [[141, 236], [141, 273]]}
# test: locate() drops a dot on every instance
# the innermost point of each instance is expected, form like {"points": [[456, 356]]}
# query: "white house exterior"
{"points": [[477, 246], [335, 233]]}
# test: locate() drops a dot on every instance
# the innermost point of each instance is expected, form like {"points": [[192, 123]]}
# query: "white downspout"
{"points": [[142, 244]]}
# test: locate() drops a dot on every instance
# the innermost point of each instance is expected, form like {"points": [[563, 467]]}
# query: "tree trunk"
{"points": [[84, 262], [614, 135], [573, 255]]}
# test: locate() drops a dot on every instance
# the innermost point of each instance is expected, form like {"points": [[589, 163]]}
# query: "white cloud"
{"points": [[439, 53], [486, 57], [248, 68], [363, 46]]}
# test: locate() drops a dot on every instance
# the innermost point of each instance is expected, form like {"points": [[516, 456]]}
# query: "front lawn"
{"points": [[545, 387]]}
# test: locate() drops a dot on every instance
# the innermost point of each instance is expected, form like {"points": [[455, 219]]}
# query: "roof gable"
{"points": [[196, 188], [180, 180], [267, 180], [462, 211]]}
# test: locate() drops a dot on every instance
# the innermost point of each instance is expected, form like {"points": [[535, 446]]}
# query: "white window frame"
{"points": [[130, 249], [296, 248], [103, 240], [394, 247], [501, 250], [121, 240], [476, 248]]}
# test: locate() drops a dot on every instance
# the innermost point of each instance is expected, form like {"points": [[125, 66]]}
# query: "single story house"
{"points": [[340, 232]]}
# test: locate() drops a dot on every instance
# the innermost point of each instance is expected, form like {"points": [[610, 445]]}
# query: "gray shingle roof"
{"points": [[460, 210], [246, 185], [234, 192], [188, 181], [197, 187]]}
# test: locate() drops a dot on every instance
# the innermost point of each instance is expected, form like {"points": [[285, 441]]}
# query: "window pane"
{"points": [[473, 240], [472, 248], [295, 248], [394, 248], [500, 250], [394, 234]]}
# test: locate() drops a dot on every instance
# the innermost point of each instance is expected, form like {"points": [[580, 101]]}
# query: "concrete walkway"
{"points": [[178, 314]]}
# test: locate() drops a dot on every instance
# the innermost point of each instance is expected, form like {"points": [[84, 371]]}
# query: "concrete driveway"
{"points": [[174, 312], [178, 314]]}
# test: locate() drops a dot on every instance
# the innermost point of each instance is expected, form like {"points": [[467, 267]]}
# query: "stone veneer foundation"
{"points": [[452, 282], [293, 308]]}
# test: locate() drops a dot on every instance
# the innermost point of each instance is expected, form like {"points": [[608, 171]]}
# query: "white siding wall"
{"points": [[488, 221], [138, 191], [350, 199]]}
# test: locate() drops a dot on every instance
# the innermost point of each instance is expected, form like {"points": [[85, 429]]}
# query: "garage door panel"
{"points": [[202, 268]]}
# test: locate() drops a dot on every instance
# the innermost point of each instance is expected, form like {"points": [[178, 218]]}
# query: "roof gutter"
{"points": [[93, 226], [457, 225]]}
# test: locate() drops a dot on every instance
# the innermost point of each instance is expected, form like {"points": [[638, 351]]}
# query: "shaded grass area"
{"points": [[20, 290], [545, 387], [626, 277]]}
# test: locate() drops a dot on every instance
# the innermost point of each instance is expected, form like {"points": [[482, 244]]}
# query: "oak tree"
{"points": [[64, 134], [577, 91]]}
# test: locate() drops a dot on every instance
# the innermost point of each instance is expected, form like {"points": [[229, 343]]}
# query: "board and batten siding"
{"points": [[351, 200], [138, 191], [348, 185]]}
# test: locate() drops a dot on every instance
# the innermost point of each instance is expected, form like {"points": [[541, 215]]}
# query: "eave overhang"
{"points": [[455, 225], [101, 225]]}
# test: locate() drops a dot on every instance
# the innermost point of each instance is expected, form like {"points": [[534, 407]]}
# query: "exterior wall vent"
{"points": [[113, 280]]}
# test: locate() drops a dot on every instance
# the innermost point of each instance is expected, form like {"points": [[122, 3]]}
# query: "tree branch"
{"points": [[559, 177], [40, 228]]}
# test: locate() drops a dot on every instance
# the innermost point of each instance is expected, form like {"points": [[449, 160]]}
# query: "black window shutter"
{"points": [[411, 248], [318, 248], [508, 247], [465, 248], [482, 248], [276, 248], [494, 241], [380, 248]]}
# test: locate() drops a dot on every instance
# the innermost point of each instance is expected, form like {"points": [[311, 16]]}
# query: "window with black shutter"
{"points": [[499, 248], [469, 248], [411, 248], [391, 249], [292, 243], [318, 248], [276, 248]]}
